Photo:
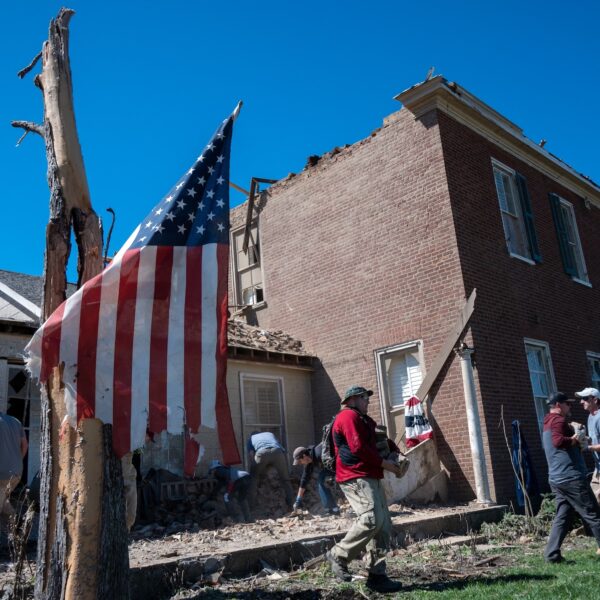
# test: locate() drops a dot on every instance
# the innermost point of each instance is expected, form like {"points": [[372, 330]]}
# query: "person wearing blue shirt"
{"points": [[590, 400], [265, 451]]}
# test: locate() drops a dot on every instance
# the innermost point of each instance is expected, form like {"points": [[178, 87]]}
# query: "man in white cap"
{"points": [[590, 400]]}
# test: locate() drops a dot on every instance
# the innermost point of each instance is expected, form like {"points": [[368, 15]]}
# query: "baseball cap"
{"points": [[299, 452], [589, 391], [214, 464], [356, 390], [558, 397]]}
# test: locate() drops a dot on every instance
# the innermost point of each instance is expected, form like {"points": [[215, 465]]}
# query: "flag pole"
{"points": [[236, 110]]}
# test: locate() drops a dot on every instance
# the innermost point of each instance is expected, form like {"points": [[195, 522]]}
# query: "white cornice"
{"points": [[461, 105], [25, 304]]}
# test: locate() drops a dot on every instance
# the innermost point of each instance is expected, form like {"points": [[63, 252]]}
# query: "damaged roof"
{"points": [[253, 342], [242, 335]]}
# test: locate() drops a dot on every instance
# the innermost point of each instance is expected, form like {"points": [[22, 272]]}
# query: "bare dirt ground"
{"points": [[263, 532], [149, 547]]}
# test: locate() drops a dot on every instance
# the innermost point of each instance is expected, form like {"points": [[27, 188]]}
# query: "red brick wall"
{"points": [[359, 253], [517, 300]]}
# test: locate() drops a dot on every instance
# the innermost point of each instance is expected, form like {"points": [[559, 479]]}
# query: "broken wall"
{"points": [[288, 386], [359, 253]]}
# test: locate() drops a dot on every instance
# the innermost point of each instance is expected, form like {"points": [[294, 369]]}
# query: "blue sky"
{"points": [[153, 79]]}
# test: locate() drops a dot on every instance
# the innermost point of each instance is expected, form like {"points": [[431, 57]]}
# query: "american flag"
{"points": [[144, 343]]}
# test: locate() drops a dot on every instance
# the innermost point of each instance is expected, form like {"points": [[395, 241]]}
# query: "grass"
{"points": [[525, 576], [518, 572]]}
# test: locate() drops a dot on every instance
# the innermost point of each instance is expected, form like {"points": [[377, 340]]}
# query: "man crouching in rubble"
{"points": [[237, 486], [310, 458], [359, 471]]}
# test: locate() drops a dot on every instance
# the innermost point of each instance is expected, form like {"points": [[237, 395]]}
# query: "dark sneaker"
{"points": [[383, 584], [335, 511], [338, 567], [556, 558]]}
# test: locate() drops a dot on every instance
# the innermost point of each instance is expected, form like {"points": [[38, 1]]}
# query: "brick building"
{"points": [[368, 254]]}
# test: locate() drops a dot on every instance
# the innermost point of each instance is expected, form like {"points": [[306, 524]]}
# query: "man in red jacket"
{"points": [[359, 471]]}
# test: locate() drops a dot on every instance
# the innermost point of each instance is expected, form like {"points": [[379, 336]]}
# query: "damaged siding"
{"points": [[167, 452]]}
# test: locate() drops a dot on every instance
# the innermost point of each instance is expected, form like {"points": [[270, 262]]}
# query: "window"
{"points": [[400, 375], [594, 366], [541, 376], [247, 268], [568, 239], [517, 217], [262, 406]]}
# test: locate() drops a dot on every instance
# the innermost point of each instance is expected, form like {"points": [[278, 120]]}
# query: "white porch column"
{"points": [[474, 425]]}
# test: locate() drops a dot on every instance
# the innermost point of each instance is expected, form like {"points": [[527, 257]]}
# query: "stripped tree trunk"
{"points": [[82, 544]]}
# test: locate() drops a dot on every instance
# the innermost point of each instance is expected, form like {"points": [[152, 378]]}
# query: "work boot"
{"points": [[338, 567], [380, 582]]}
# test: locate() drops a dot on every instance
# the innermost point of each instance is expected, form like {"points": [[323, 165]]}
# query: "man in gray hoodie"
{"points": [[13, 447]]}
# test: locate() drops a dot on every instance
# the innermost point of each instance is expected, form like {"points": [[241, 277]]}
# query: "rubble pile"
{"points": [[169, 505], [242, 335]]}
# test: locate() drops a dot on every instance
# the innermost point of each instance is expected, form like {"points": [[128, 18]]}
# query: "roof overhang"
{"points": [[464, 107]]}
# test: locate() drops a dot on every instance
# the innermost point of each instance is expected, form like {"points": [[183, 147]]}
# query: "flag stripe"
{"points": [[175, 404], [157, 420], [193, 337], [105, 353], [141, 344], [86, 354], [69, 344], [210, 273], [123, 351], [225, 428]]}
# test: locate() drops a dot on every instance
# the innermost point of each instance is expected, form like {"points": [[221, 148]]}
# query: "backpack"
{"points": [[328, 454], [328, 447]]}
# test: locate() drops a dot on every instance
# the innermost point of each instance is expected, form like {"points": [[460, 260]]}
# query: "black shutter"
{"points": [[528, 218], [563, 241]]}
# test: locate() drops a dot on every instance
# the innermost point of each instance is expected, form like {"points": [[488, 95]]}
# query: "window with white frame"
{"points": [[247, 268], [541, 376], [262, 406], [594, 367], [568, 238], [400, 373], [517, 216]]}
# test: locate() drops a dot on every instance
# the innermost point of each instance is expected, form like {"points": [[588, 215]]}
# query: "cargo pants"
{"points": [[373, 526]]}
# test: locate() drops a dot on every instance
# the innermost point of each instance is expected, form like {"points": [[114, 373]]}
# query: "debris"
{"points": [[271, 573], [488, 560], [242, 335]]}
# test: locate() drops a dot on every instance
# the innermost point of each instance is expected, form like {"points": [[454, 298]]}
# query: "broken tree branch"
{"points": [[29, 127], [30, 66]]}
